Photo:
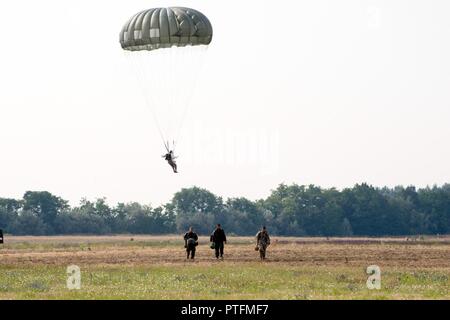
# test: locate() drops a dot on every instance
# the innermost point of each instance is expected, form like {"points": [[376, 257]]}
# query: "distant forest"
{"points": [[290, 210]]}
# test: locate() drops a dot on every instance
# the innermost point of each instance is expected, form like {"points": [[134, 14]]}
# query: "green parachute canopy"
{"points": [[164, 28]]}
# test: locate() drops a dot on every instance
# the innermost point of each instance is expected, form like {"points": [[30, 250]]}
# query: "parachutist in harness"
{"points": [[180, 36], [170, 158]]}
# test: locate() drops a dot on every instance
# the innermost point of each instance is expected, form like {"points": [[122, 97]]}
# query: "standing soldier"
{"points": [[190, 242], [218, 237], [262, 241]]}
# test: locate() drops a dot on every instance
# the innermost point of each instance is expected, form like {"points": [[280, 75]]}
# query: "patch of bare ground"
{"points": [[168, 250]]}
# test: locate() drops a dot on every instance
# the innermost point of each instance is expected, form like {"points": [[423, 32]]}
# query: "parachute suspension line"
{"points": [[167, 145], [186, 107], [198, 64], [160, 95], [141, 79], [174, 145], [171, 63], [155, 118]]}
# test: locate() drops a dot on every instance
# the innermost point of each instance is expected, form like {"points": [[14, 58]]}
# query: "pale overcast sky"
{"points": [[330, 92]]}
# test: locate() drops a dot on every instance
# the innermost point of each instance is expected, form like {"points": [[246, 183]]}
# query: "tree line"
{"points": [[290, 210]]}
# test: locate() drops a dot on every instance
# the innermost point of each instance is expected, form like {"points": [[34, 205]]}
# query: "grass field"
{"points": [[154, 267]]}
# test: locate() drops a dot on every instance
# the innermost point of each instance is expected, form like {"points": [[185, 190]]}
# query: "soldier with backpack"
{"points": [[190, 242], [218, 238], [262, 242]]}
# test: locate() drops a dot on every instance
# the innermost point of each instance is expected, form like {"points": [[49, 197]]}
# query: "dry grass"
{"points": [[149, 250], [407, 266]]}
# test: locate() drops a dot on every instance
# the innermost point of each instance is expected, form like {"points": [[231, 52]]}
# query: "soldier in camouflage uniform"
{"points": [[262, 242]]}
